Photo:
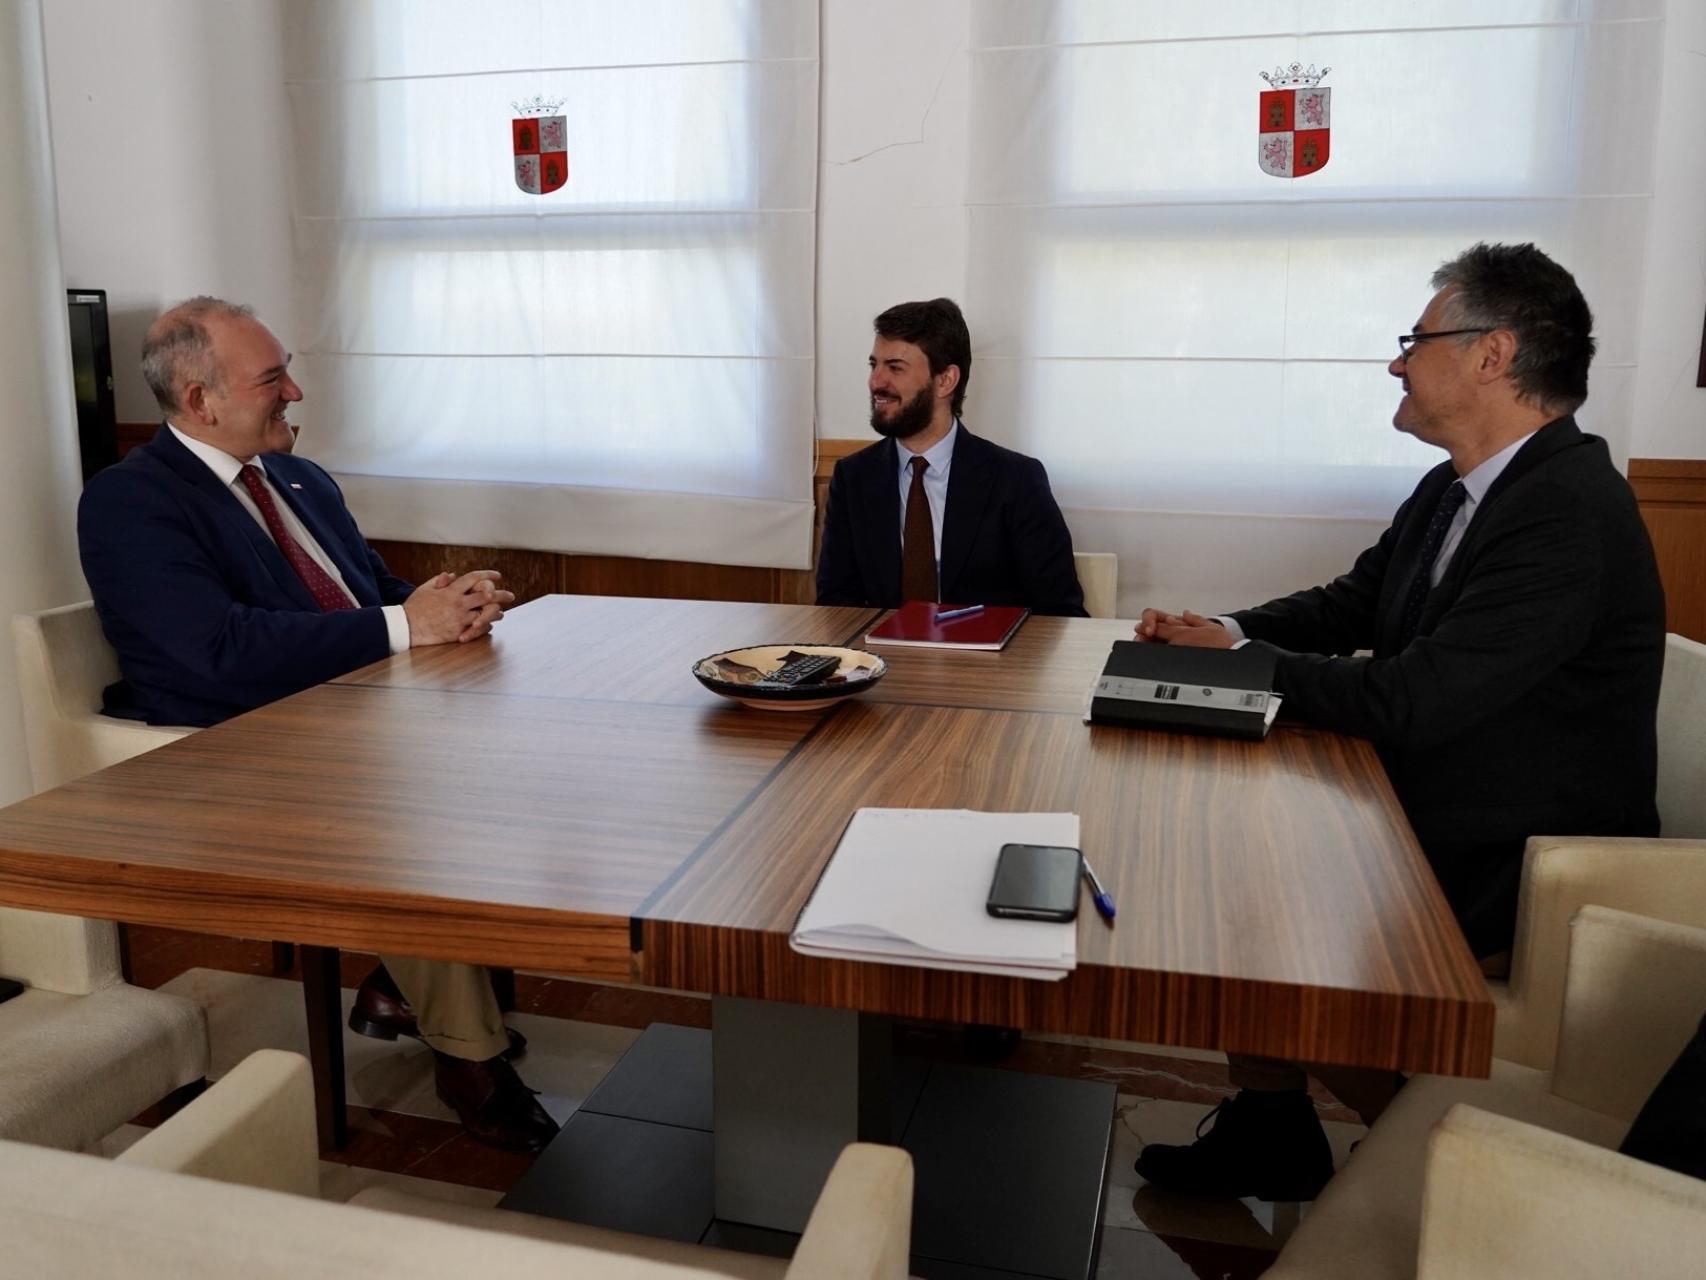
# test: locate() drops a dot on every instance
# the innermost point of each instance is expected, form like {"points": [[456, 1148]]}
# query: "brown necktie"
{"points": [[321, 585], [918, 546]]}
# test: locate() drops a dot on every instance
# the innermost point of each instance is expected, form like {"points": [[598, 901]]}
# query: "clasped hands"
{"points": [[451, 608], [1187, 628]]}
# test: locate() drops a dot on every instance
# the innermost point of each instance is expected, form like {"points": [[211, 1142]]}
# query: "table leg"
{"points": [[791, 1086], [323, 999]]}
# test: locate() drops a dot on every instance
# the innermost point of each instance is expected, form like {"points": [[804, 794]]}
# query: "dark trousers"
{"points": [[1671, 1129]]}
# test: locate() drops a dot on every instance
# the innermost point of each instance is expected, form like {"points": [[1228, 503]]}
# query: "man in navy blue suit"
{"points": [[227, 574], [985, 528]]}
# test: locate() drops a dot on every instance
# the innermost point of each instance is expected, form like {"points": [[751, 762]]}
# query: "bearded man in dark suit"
{"points": [[984, 529], [227, 574], [1515, 626]]}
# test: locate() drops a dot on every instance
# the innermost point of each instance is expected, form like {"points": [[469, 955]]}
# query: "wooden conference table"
{"points": [[565, 797]]}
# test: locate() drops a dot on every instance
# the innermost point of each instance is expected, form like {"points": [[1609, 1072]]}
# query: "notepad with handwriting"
{"points": [[908, 886], [915, 623]]}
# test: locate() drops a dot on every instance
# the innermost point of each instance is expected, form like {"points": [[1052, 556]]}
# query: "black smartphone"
{"points": [[10, 987], [1036, 882]]}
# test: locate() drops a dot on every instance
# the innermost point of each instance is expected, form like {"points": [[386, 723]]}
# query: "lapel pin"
{"points": [[295, 485]]}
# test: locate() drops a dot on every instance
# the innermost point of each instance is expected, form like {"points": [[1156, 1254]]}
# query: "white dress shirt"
{"points": [[940, 457], [1475, 486], [229, 470]]}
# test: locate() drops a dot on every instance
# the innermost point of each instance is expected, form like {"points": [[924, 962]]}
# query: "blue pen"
{"points": [[948, 615], [1099, 895]]}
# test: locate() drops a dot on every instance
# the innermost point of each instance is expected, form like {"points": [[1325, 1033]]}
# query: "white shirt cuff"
{"points": [[396, 627], [1226, 621]]}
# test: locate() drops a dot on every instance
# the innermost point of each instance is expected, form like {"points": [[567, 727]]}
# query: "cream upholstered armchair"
{"points": [[1509, 1199], [64, 662], [249, 1210], [1519, 1180], [1661, 878], [81, 1052], [1099, 575]]}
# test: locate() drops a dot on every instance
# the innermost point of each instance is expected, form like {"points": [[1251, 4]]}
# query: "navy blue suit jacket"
{"points": [[207, 616], [1004, 540]]}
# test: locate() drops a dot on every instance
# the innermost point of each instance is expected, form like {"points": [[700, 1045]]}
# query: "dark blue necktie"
{"points": [[1448, 506]]}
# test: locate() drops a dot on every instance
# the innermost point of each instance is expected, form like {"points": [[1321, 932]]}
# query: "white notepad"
{"points": [[908, 886]]}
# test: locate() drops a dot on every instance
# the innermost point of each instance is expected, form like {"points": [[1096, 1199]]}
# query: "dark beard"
{"points": [[914, 416]]}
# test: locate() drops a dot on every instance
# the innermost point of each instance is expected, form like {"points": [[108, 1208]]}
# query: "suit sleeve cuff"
{"points": [[1231, 624], [396, 627]]}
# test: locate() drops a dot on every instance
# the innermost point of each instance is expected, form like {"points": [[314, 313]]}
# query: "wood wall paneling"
{"points": [[1671, 493]]}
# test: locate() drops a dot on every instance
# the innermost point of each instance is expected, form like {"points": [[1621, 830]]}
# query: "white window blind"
{"points": [[623, 366], [1198, 350]]}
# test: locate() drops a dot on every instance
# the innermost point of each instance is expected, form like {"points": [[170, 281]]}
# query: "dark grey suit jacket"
{"points": [[1525, 705]]}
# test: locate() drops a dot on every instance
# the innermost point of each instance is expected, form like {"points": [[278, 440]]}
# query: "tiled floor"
{"points": [[402, 1134]]}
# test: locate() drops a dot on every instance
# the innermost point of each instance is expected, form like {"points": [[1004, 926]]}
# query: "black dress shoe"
{"points": [[1267, 1145], [381, 1011], [493, 1104]]}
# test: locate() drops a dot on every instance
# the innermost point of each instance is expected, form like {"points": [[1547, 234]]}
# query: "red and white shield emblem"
{"points": [[541, 153], [1296, 122]]}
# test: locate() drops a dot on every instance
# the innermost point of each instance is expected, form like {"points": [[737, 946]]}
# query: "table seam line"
{"points": [[636, 922]]}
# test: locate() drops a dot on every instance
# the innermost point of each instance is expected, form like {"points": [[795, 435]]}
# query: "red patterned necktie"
{"points": [[321, 585]]}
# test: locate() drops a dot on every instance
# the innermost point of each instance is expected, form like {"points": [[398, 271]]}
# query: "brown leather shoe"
{"points": [[495, 1107], [381, 1011]]}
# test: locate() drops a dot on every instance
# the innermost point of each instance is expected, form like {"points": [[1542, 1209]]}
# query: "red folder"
{"points": [[915, 624]]}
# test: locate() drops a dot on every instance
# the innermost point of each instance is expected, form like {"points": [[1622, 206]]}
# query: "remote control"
{"points": [[807, 670]]}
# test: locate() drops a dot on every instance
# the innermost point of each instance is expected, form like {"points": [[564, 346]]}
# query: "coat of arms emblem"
{"points": [[1296, 123], [541, 144]]}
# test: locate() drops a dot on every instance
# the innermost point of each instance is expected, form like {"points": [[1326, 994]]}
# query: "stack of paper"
{"points": [[908, 886]]}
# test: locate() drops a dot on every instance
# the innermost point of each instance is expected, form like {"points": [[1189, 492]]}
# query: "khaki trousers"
{"points": [[454, 1005]]}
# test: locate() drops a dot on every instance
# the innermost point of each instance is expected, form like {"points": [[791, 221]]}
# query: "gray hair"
{"points": [[1518, 288], [178, 349]]}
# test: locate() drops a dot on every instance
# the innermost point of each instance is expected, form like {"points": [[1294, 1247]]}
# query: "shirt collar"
{"points": [[218, 461], [939, 455], [1478, 481]]}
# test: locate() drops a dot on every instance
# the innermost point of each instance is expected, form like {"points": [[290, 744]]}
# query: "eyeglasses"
{"points": [[1408, 340]]}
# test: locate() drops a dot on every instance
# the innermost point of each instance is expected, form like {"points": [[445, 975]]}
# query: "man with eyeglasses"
{"points": [[1501, 645]]}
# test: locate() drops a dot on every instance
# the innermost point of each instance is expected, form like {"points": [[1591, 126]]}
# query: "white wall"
{"points": [[892, 184], [171, 139], [1670, 411]]}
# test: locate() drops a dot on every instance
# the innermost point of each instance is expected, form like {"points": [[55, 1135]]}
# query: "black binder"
{"points": [[1225, 692]]}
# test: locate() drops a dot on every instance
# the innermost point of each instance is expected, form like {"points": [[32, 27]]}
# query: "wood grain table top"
{"points": [[565, 797], [366, 818], [610, 648], [1273, 890], [1048, 666]]}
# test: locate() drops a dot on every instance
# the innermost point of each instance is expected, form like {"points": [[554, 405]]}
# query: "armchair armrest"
{"points": [[861, 1227], [1508, 1199], [1665, 879], [67, 954], [1635, 991], [255, 1127]]}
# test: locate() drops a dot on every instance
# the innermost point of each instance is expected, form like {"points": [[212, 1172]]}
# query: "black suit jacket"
{"points": [[205, 613], [1004, 540], [1526, 703]]}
